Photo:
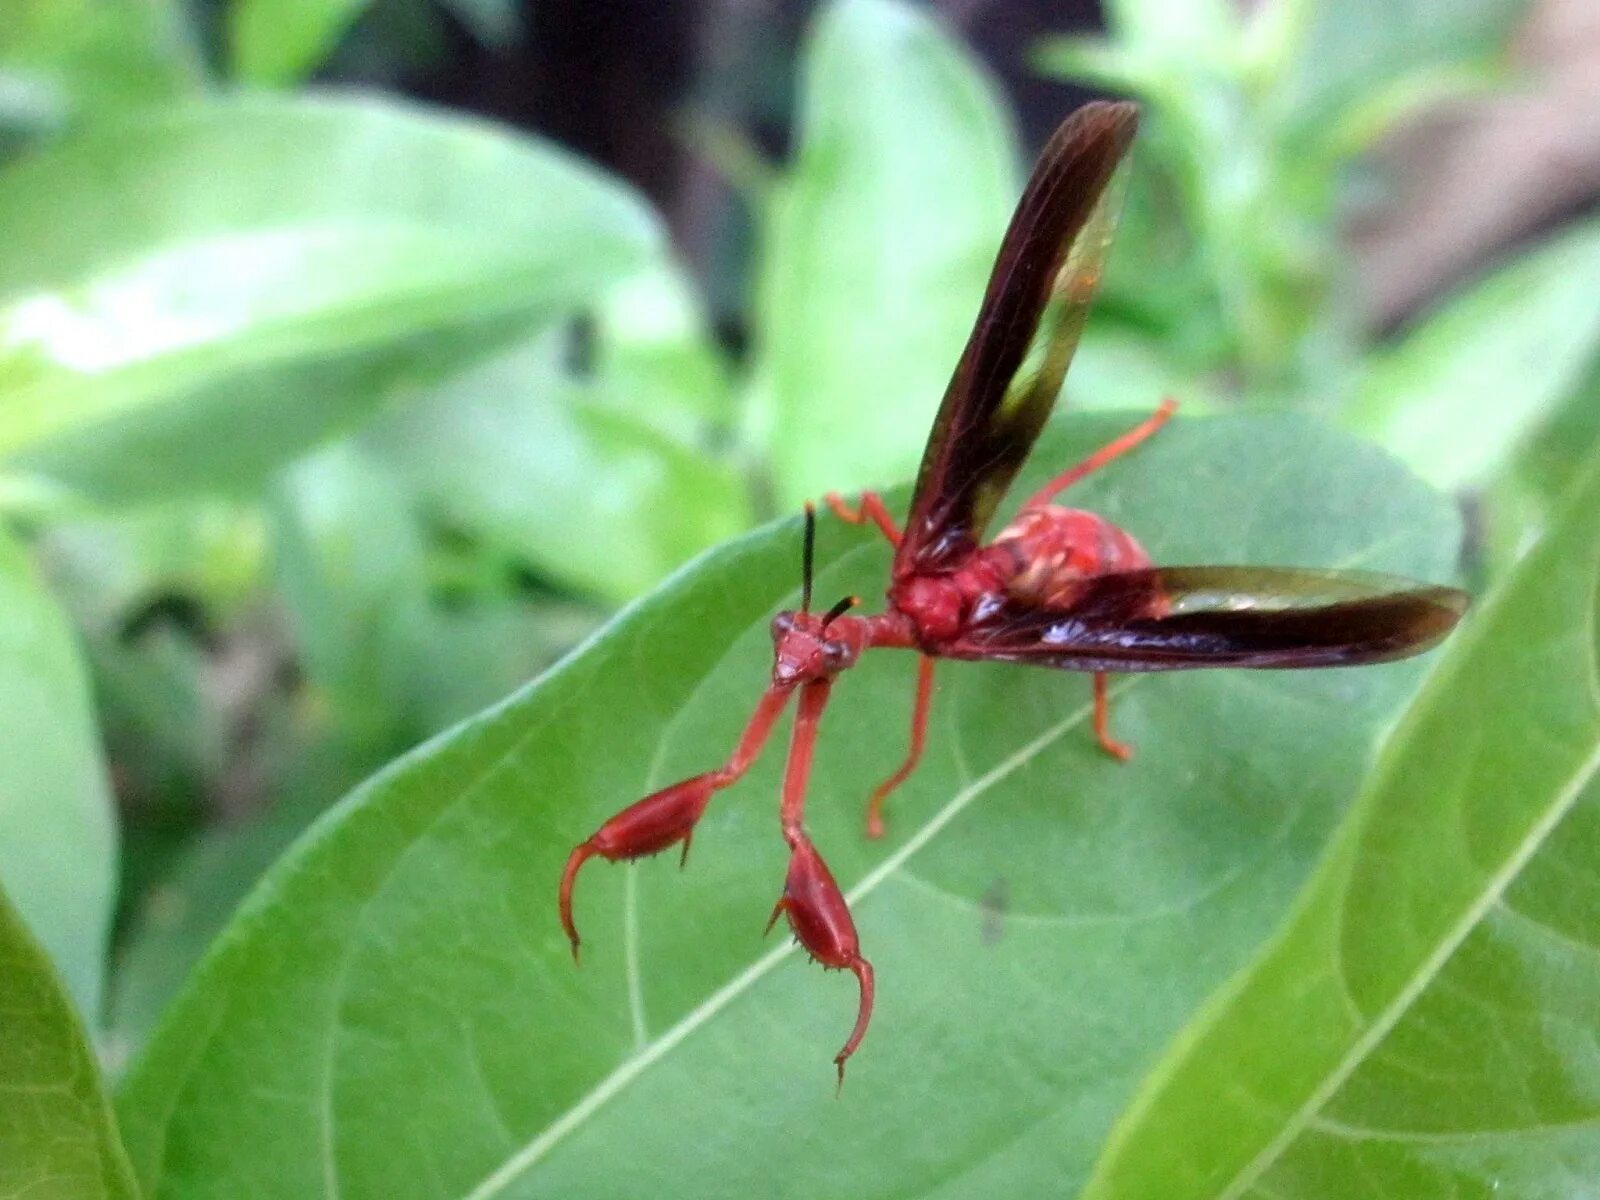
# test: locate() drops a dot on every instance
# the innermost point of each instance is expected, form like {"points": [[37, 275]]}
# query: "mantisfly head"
{"points": [[807, 646]]}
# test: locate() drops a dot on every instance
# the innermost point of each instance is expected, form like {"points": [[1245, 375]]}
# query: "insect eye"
{"points": [[782, 624], [836, 655]]}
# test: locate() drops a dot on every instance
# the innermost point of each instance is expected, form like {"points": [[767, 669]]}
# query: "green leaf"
{"points": [[281, 267], [58, 1139], [559, 471], [471, 657], [58, 840], [390, 656], [61, 59], [1102, 63], [1522, 500], [1117, 370], [654, 356], [1351, 50], [1425, 1025], [279, 41], [395, 1013], [1368, 119], [1176, 28], [350, 569], [878, 245], [1459, 395]]}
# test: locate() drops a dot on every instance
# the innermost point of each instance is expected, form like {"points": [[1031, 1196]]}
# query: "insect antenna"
{"points": [[839, 609], [808, 554]]}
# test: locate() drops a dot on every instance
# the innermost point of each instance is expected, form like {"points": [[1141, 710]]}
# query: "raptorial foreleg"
{"points": [[811, 899], [668, 817]]}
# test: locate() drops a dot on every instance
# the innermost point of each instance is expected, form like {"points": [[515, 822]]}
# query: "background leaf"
{"points": [[58, 1140], [1349, 52], [57, 832], [1522, 500], [60, 59], [350, 566], [278, 41], [281, 267], [620, 502], [888, 219], [1458, 396], [1033, 956], [1424, 1026]]}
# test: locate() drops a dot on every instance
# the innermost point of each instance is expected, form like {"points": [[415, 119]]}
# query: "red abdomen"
{"points": [[1046, 553]]}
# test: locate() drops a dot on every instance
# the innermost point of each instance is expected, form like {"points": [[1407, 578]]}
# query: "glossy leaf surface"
{"points": [[261, 273], [394, 1012]]}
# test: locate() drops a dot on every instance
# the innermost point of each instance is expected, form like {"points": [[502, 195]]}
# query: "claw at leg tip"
{"points": [[862, 970], [569, 876]]}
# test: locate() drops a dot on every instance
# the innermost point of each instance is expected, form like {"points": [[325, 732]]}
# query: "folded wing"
{"points": [[1027, 330], [1184, 618]]}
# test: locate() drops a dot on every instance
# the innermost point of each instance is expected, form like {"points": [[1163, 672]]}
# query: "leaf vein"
{"points": [[1384, 1023]]}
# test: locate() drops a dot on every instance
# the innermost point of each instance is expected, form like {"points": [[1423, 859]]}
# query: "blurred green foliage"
{"points": [[328, 418]]}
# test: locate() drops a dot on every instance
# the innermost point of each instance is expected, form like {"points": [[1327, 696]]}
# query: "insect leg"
{"points": [[667, 817], [870, 509], [919, 733], [1102, 721], [1112, 449], [811, 899]]}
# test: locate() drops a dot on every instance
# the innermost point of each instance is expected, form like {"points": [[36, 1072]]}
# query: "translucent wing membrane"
{"points": [[1180, 618], [1027, 329]]}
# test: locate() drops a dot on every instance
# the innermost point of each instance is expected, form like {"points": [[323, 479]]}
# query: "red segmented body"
{"points": [[1042, 558], [1058, 587]]}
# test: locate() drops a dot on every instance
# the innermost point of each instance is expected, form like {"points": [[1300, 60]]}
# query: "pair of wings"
{"points": [[999, 398]]}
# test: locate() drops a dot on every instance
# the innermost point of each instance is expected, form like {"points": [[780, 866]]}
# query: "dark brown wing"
{"points": [[1181, 618], [1027, 329]]}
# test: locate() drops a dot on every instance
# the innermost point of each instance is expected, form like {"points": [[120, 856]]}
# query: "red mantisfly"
{"points": [[1057, 588]]}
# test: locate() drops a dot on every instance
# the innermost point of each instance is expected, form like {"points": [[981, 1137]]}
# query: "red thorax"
{"points": [[1043, 558]]}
